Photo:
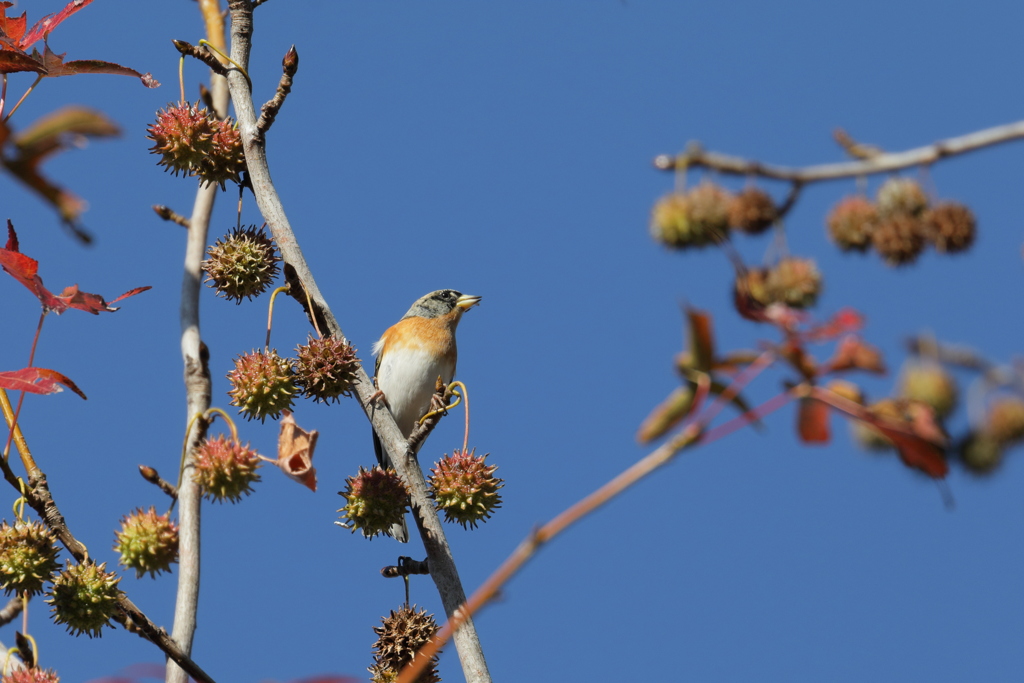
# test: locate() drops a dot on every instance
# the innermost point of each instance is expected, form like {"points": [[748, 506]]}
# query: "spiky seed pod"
{"points": [[695, 219], [869, 436], [464, 487], [794, 281], [1005, 419], [326, 369], [28, 555], [194, 142], [262, 384], [752, 211], [31, 676], [901, 196], [375, 499], [930, 383], [225, 469], [242, 264], [950, 227], [670, 223], [399, 637], [709, 210], [899, 239], [981, 453], [851, 222], [84, 597], [147, 542]]}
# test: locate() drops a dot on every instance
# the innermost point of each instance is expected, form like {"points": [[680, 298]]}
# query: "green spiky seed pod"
{"points": [[981, 453], [242, 264], [901, 196], [752, 211], [1005, 419], [709, 210], [671, 225], [31, 676], [899, 239], [794, 281], [28, 555], [695, 219], [225, 469], [84, 597], [375, 499], [262, 385], [399, 637], [851, 222], [326, 369], [870, 437], [147, 542], [950, 227], [194, 142], [930, 383], [464, 487]]}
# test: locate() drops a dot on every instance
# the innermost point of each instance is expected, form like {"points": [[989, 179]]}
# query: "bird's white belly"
{"points": [[407, 378]]}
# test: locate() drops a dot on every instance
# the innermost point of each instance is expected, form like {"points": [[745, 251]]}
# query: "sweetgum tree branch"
{"points": [[884, 162], [693, 434], [442, 564], [197, 377]]}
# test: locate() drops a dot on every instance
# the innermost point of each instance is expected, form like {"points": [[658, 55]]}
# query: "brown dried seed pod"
{"points": [[752, 211], [851, 222], [950, 227], [899, 239]]}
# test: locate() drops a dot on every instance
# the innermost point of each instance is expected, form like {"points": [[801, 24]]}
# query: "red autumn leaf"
{"points": [[37, 381], [55, 132], [701, 339], [844, 321], [43, 27], [25, 270], [853, 353], [295, 448], [15, 42], [812, 421]]}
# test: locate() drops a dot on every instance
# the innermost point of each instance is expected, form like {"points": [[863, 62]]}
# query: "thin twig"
{"points": [[168, 214], [153, 477], [442, 564], [881, 163], [195, 356], [203, 54], [268, 112], [406, 566]]}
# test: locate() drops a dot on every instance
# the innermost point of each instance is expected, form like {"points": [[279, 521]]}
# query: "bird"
{"points": [[411, 355]]}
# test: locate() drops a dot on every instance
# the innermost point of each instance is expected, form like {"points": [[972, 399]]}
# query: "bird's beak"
{"points": [[467, 301]]}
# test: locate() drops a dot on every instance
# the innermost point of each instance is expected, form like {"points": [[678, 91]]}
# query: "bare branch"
{"points": [[195, 356], [153, 477], [268, 112], [442, 564], [880, 163], [203, 54], [169, 214]]}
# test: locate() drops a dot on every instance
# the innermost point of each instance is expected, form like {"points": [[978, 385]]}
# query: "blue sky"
{"points": [[504, 149]]}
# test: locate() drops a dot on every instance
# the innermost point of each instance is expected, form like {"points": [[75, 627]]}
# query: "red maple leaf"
{"points": [[37, 381], [25, 270], [15, 42]]}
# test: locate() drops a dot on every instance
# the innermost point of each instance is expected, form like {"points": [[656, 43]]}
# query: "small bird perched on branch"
{"points": [[411, 355]]}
